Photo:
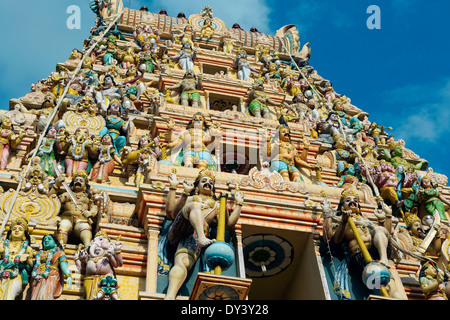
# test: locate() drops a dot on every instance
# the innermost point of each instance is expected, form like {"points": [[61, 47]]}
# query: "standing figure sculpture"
{"points": [[287, 161], [97, 263], [189, 86], [196, 142], [76, 217], [243, 67], [8, 141], [49, 270], [193, 213], [116, 126], [106, 159], [17, 260], [347, 226], [186, 57]]}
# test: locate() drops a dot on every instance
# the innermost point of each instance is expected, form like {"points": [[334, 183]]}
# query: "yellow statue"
{"points": [[17, 260]]}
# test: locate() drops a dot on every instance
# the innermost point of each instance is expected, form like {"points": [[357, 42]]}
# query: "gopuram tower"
{"points": [[180, 158]]}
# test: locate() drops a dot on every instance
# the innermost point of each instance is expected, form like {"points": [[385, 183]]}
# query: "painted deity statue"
{"points": [[186, 57], [193, 213], [46, 151], [106, 92], [258, 101], [110, 53], [49, 270], [77, 148], [207, 30], [17, 260], [76, 217], [145, 157], [97, 263], [288, 161], [8, 141], [430, 200], [432, 281], [196, 141], [374, 236], [395, 156], [189, 86], [106, 159], [116, 126], [243, 67]]}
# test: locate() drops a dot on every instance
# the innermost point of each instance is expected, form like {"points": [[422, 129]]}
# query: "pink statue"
{"points": [[97, 263]]}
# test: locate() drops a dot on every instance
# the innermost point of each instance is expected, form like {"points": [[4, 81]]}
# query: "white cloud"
{"points": [[425, 111]]}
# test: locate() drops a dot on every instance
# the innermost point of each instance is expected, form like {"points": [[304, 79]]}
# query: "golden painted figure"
{"points": [[76, 217], [17, 260], [288, 161], [8, 141], [49, 271], [196, 143], [193, 213], [207, 29]]}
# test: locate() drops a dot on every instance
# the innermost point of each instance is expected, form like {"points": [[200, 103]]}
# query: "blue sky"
{"points": [[399, 74]]}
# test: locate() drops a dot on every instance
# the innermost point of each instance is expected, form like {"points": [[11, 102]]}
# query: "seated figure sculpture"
{"points": [[287, 161], [258, 101], [193, 213]]}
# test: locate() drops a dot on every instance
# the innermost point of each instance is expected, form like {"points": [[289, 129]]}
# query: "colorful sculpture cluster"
{"points": [[90, 141]]}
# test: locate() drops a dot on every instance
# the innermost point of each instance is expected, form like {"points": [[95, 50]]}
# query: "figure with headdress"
{"points": [[430, 200], [258, 101], [16, 260], [287, 161], [46, 151], [49, 270], [105, 164], [116, 126], [192, 215], [189, 86], [186, 56], [8, 141], [78, 208], [207, 30], [107, 91], [346, 227], [433, 281], [196, 143], [97, 262], [243, 66], [111, 52], [76, 148], [395, 156]]}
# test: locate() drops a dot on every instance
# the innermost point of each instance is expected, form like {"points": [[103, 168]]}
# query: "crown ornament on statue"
{"points": [[22, 221], [206, 173], [349, 192]]}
